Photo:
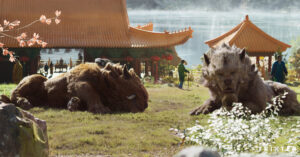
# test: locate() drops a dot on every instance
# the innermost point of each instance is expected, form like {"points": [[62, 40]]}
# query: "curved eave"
{"points": [[147, 27], [211, 42], [282, 44], [142, 39]]}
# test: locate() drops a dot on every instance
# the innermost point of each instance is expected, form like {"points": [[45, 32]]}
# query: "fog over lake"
{"points": [[207, 25]]}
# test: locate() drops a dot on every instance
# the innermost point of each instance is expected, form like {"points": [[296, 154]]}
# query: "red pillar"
{"points": [[257, 61], [152, 69], [270, 63], [156, 72]]}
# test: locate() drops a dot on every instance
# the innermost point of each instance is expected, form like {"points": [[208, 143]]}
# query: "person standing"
{"points": [[46, 68], [17, 71], [279, 70], [51, 68], [181, 73]]}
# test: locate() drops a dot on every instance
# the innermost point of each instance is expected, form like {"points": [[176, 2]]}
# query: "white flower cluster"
{"points": [[237, 131]]}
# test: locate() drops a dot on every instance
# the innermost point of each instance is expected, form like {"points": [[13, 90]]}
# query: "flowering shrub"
{"points": [[238, 130], [23, 39]]}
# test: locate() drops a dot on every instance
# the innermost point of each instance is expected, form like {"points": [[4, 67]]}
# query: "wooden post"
{"points": [[156, 72], [84, 56], [270, 63], [146, 68], [257, 61], [137, 67], [152, 69]]}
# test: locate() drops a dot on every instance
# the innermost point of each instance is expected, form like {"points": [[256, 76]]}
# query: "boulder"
{"points": [[197, 152], [21, 134]]}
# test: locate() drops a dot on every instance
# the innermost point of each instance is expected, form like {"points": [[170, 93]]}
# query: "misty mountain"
{"points": [[217, 5]]}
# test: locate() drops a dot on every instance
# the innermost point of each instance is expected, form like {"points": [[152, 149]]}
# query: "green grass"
{"points": [[6, 88], [141, 134]]}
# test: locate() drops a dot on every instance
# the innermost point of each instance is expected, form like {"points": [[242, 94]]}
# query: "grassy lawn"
{"points": [[141, 134]]}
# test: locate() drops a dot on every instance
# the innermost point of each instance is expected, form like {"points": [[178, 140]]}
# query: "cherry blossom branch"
{"points": [[22, 38]]}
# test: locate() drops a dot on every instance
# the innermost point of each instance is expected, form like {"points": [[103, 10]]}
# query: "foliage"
{"points": [[238, 131], [165, 67], [295, 57], [23, 39], [293, 75]]}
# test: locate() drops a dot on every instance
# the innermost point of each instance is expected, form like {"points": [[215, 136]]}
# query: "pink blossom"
{"points": [[36, 36], [48, 21], [6, 22], [44, 44], [5, 52], [18, 38], [22, 43], [12, 59], [39, 42], [11, 53], [1, 29], [23, 35], [11, 27], [43, 19], [30, 43], [57, 13], [1, 45], [57, 21]]}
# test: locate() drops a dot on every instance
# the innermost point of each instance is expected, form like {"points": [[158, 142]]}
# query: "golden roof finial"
{"points": [[247, 18]]}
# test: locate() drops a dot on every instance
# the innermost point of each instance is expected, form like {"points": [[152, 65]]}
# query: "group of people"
{"points": [[278, 73], [46, 68]]}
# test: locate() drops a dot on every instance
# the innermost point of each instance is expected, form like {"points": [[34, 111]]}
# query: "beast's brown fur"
{"points": [[230, 77], [100, 90]]}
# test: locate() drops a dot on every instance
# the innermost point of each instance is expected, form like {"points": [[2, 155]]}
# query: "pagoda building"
{"points": [[256, 42], [100, 28]]}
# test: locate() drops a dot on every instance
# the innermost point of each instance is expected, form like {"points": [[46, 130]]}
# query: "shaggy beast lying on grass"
{"points": [[85, 87], [230, 77]]}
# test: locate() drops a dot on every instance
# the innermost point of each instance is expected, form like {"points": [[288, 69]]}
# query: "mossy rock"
{"points": [[21, 134]]}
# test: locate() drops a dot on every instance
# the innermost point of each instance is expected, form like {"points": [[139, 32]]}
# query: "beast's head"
{"points": [[124, 91], [225, 71]]}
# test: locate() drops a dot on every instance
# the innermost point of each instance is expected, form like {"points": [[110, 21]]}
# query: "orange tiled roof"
{"points": [[88, 23], [249, 36]]}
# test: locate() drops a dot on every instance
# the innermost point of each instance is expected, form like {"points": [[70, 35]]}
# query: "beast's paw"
{"points": [[73, 104], [204, 109], [24, 103]]}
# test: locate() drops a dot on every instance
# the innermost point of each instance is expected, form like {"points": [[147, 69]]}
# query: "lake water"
{"points": [[208, 25]]}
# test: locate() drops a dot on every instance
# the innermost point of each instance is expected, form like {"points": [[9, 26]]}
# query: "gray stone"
{"points": [[21, 134], [198, 152]]}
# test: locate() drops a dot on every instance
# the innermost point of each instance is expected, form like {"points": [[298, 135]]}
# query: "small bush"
{"points": [[238, 130]]}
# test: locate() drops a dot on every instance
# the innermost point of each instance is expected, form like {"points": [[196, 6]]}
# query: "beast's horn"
{"points": [[206, 59], [242, 55], [126, 72]]}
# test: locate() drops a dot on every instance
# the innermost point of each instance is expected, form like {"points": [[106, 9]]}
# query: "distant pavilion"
{"points": [[256, 42], [100, 27]]}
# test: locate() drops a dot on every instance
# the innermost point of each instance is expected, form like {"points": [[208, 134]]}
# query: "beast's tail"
{"points": [[5, 99]]}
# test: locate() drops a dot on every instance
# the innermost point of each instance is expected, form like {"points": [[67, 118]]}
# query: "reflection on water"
{"points": [[208, 25]]}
